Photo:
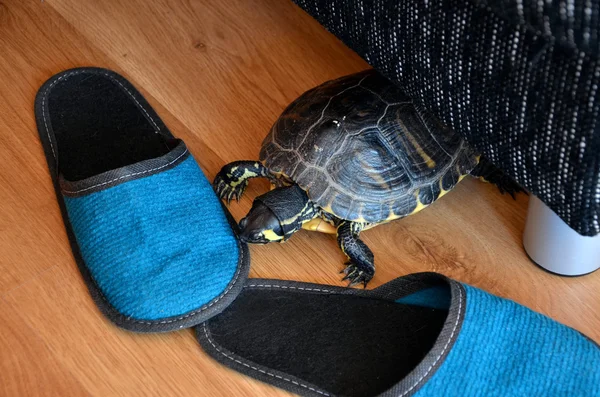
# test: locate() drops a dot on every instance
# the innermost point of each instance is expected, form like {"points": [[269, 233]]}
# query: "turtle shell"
{"points": [[363, 151]]}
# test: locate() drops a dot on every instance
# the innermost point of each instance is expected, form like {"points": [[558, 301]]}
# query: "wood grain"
{"points": [[218, 73]]}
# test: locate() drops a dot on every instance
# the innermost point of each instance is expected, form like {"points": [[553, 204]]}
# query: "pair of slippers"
{"points": [[159, 252]]}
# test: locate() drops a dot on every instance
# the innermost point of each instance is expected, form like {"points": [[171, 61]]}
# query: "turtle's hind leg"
{"points": [[488, 172], [231, 182], [361, 266]]}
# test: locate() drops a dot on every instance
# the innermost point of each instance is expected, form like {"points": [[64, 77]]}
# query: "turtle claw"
{"points": [[230, 195], [219, 185], [356, 274], [227, 189]]}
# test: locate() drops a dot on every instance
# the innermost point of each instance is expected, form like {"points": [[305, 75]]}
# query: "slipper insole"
{"points": [[345, 344], [98, 127]]}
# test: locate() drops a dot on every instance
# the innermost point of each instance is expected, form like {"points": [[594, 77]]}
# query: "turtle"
{"points": [[347, 155]]}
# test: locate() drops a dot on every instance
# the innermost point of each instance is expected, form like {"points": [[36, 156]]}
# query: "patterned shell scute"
{"points": [[363, 151]]}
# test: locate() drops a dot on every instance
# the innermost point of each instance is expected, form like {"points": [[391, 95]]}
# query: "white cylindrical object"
{"points": [[554, 246]]}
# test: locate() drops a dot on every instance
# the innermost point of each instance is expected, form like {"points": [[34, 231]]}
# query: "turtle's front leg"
{"points": [[361, 265], [233, 178]]}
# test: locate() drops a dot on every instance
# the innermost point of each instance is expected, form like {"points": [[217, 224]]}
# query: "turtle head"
{"points": [[276, 215], [260, 226]]}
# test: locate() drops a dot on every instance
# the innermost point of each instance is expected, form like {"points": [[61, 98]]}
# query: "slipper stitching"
{"points": [[445, 347], [287, 287], [205, 307], [129, 319], [260, 370], [136, 101], [127, 176], [332, 292], [65, 76]]}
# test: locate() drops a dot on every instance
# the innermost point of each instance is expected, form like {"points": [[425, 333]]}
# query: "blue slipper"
{"points": [[151, 239], [422, 335]]}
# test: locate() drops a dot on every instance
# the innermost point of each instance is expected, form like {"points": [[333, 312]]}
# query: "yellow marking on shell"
{"points": [[428, 160], [392, 216], [276, 174], [371, 226], [379, 179], [279, 174], [420, 205], [360, 220], [376, 176], [327, 209], [319, 225], [442, 190], [271, 235]]}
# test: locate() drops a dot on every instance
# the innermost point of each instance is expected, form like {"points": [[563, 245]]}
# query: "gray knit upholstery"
{"points": [[517, 78]]}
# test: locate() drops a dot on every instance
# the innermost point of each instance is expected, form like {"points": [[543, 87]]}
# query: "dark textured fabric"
{"points": [[518, 79]]}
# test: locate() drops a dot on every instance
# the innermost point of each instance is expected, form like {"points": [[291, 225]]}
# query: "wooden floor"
{"points": [[218, 73]]}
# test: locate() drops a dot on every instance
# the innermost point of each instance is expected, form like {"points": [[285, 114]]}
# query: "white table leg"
{"points": [[556, 247]]}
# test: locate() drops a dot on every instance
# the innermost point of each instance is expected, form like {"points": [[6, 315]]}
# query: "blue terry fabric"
{"points": [[505, 349], [159, 246]]}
